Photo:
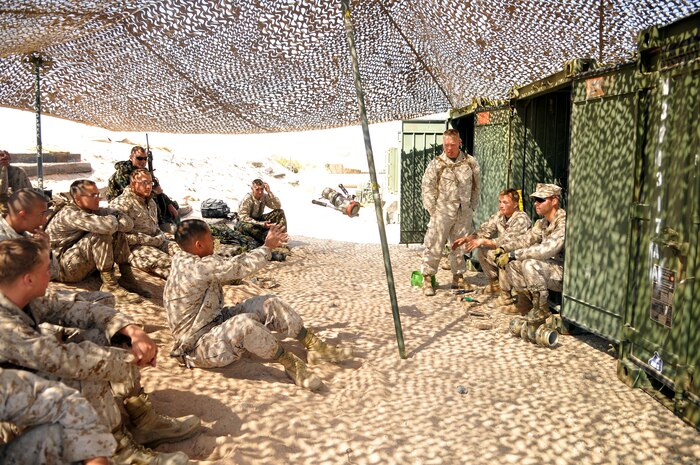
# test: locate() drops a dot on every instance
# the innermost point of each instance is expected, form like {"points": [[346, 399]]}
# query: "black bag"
{"points": [[215, 208]]}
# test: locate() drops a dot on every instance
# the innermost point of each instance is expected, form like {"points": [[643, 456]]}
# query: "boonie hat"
{"points": [[546, 190]]}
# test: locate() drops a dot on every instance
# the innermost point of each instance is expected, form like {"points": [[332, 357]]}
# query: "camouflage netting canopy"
{"points": [[248, 66]]}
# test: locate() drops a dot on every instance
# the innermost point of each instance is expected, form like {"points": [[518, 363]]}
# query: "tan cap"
{"points": [[546, 190]]}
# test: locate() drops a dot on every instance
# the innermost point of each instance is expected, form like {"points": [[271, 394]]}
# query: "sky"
{"points": [[340, 145]]}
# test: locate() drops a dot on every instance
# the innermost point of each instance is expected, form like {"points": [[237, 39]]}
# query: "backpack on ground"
{"points": [[215, 208]]}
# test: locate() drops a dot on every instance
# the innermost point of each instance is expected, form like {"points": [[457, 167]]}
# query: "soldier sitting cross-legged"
{"points": [[209, 334]]}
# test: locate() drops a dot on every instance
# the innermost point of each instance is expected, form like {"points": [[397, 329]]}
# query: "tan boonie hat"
{"points": [[546, 190]]}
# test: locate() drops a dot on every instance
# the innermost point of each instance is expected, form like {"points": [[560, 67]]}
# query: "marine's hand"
{"points": [[267, 187], [473, 243], [42, 236], [143, 348], [460, 242], [276, 236], [96, 461]]}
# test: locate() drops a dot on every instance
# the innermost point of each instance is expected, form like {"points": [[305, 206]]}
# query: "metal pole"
{"points": [[373, 177], [39, 154]]}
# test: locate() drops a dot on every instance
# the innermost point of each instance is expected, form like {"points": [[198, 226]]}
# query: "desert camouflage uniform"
{"points": [[12, 178], [85, 241], [210, 334], [251, 219], [150, 249], [539, 253], [501, 230], [99, 372], [58, 424], [105, 298], [8, 232], [120, 181], [450, 191]]}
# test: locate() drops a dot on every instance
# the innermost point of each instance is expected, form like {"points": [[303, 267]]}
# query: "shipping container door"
{"points": [[601, 182], [541, 143], [662, 331], [491, 151], [421, 141]]}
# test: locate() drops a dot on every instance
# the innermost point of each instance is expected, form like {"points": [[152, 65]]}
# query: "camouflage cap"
{"points": [[546, 190]]}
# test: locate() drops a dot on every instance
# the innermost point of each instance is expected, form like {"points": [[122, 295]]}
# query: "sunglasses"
{"points": [[142, 158], [539, 199]]}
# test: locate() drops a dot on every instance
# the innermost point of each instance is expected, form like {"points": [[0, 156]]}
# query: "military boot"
{"points": [[319, 351], [127, 280], [493, 287], [298, 371], [131, 453], [540, 309], [151, 428], [458, 282], [504, 298], [110, 284], [428, 288]]}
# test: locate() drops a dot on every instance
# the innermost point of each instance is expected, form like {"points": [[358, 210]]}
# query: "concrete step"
{"points": [[55, 168], [48, 157]]}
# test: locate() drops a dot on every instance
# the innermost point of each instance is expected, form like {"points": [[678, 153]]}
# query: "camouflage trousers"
{"points": [[259, 232], [92, 252], [246, 327], [444, 227], [532, 275], [45, 442], [104, 395], [154, 260], [487, 260]]}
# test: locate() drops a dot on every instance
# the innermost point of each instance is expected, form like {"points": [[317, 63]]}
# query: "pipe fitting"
{"points": [[546, 337], [516, 325]]}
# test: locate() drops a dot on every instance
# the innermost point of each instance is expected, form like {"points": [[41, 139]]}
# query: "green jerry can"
{"points": [[660, 350]]}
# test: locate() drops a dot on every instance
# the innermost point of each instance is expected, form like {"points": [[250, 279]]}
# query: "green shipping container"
{"points": [[601, 188], [660, 350]]}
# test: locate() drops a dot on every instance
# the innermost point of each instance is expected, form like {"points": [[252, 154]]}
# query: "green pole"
{"points": [[373, 178]]}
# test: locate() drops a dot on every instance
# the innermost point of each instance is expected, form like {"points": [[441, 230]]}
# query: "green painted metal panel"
{"points": [[421, 141], [540, 141], [662, 333], [491, 149], [601, 184]]}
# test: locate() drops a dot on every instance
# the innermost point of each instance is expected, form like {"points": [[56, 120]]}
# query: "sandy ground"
{"points": [[523, 403], [467, 393]]}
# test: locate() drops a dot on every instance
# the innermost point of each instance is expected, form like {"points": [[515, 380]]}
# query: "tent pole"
{"points": [[373, 177], [39, 154]]}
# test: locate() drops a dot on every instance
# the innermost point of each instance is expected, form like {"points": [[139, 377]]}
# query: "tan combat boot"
{"points": [[493, 287], [458, 281], [298, 371], [110, 284], [130, 453], [151, 428], [504, 299], [428, 288], [520, 306], [128, 281], [320, 351], [540, 309]]}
